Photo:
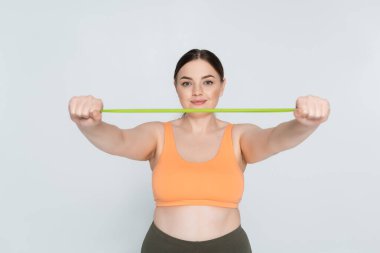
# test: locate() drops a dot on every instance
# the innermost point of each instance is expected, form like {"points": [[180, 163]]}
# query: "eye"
{"points": [[209, 82], [185, 84]]}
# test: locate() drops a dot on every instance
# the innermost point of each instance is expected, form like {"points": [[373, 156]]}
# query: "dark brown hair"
{"points": [[203, 54]]}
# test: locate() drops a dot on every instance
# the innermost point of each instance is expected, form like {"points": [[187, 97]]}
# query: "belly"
{"points": [[196, 223]]}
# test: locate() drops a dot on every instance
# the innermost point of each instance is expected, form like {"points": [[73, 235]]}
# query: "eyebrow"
{"points": [[186, 77]]}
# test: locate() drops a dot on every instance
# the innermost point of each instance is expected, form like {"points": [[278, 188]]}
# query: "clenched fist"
{"points": [[85, 110], [311, 110]]}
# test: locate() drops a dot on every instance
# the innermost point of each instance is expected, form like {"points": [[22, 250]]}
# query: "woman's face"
{"points": [[198, 85]]}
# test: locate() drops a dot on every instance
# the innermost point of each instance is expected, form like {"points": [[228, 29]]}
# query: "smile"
{"points": [[199, 102]]}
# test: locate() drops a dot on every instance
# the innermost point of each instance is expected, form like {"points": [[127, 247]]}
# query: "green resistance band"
{"points": [[172, 110]]}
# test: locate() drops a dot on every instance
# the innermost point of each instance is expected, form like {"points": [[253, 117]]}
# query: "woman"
{"points": [[197, 160]]}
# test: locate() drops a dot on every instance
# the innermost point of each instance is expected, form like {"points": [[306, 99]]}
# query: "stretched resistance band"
{"points": [[169, 110]]}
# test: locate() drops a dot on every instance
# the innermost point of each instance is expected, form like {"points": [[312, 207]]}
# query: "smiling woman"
{"points": [[197, 161], [198, 61]]}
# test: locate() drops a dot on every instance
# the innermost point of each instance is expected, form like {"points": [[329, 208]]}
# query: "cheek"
{"points": [[181, 93], [215, 93]]}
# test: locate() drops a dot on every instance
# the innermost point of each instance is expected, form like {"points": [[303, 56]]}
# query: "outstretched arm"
{"points": [[138, 143], [258, 144]]}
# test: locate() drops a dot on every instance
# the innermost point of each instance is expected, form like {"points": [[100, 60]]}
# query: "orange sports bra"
{"points": [[216, 182]]}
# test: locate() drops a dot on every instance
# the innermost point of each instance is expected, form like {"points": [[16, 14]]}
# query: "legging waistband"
{"points": [[229, 236]]}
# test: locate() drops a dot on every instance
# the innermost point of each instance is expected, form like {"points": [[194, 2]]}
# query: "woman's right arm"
{"points": [[138, 143]]}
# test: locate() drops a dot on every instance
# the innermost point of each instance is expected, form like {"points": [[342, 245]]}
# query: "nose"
{"points": [[197, 90]]}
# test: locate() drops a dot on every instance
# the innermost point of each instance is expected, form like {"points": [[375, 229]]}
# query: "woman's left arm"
{"points": [[309, 113]]}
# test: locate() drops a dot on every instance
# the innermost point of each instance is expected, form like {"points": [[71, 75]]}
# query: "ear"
{"points": [[223, 86]]}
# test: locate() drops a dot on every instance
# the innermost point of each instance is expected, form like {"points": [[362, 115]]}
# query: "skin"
{"points": [[250, 142]]}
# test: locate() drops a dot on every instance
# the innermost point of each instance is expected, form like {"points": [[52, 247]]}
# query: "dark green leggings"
{"points": [[157, 241]]}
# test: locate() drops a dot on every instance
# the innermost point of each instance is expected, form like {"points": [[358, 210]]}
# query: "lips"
{"points": [[198, 102]]}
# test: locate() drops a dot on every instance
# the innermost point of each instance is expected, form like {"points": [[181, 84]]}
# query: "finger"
{"points": [[96, 108], [85, 112], [76, 107], [72, 105], [313, 104], [96, 115], [297, 112], [319, 110], [69, 106], [304, 109], [309, 108], [323, 109], [300, 107], [80, 107], [326, 109]]}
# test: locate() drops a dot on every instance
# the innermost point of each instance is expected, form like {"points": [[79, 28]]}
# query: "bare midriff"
{"points": [[196, 223]]}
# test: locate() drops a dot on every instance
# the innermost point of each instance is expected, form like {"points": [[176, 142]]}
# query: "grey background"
{"points": [[58, 193]]}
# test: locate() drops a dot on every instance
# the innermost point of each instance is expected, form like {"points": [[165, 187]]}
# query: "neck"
{"points": [[200, 123]]}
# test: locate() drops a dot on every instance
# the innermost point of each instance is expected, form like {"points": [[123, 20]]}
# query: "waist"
{"points": [[196, 223]]}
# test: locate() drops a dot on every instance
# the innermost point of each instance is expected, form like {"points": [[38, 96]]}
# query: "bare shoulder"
{"points": [[140, 142], [242, 128], [151, 126], [249, 132], [155, 128]]}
